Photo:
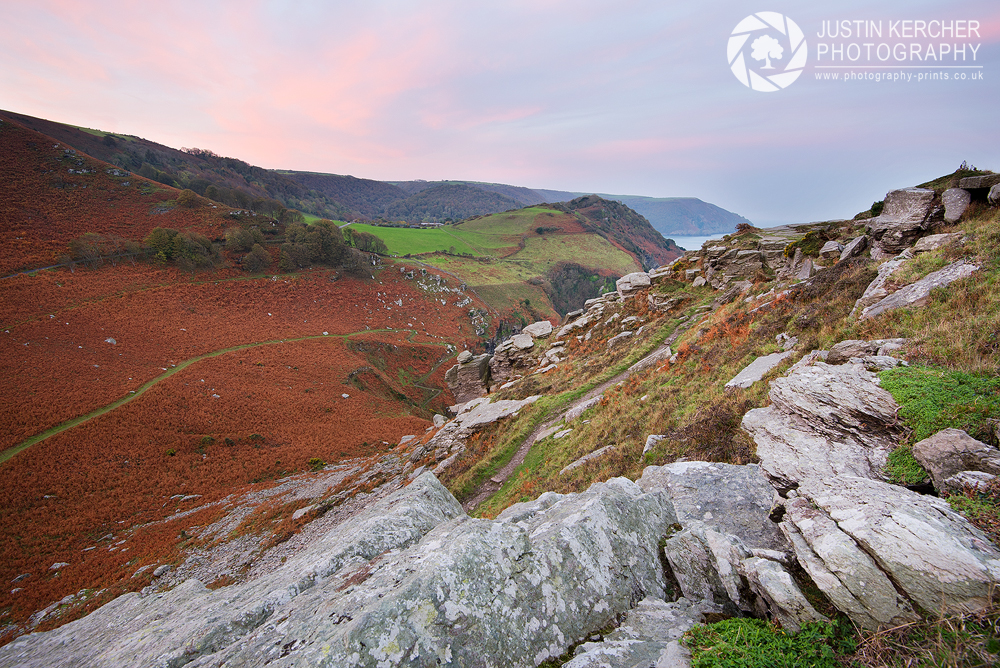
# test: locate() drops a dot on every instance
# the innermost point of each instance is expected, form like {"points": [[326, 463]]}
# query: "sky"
{"points": [[627, 97]]}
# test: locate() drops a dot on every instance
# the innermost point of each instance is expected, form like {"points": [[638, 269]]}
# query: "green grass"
{"points": [[413, 241], [756, 643], [935, 399]]}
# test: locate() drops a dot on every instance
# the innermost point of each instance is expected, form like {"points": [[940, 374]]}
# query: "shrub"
{"points": [[257, 260], [316, 464]]}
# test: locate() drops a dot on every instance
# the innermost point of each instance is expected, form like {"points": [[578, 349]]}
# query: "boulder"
{"points": [[464, 356], [905, 216], [578, 410], [994, 197], [651, 442], [831, 250], [699, 282], [703, 562], [876, 290], [596, 454], [845, 350], [931, 553], [952, 451], [648, 636], [956, 201], [664, 303], [780, 598], [824, 420], [844, 572], [735, 500], [974, 182], [935, 241], [629, 283], [618, 338], [854, 247], [757, 369], [538, 330], [917, 294], [805, 270], [522, 341], [409, 580], [977, 480], [470, 379]]}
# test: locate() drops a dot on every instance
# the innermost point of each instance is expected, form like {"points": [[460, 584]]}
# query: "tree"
{"points": [[766, 47], [187, 199], [256, 260], [161, 243]]}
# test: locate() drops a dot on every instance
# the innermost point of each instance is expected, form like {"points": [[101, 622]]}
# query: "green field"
{"points": [[413, 241]]}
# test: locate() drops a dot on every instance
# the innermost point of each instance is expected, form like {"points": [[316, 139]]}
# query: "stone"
{"points": [[657, 357], [58, 565], [491, 411], [782, 598], [933, 242], [977, 480], [843, 351], [562, 433], [699, 282], [538, 330], [952, 451], [411, 579], [439, 420], [618, 338], [522, 341], [994, 197], [824, 420], [165, 568], [956, 201], [974, 182], [600, 452], [578, 410], [831, 250], [876, 289], [579, 323], [917, 294], [906, 214], [651, 442], [733, 292], [703, 563], [845, 573], [629, 283], [469, 380], [648, 636], [735, 500], [854, 247], [805, 271], [879, 363], [464, 357], [663, 303], [930, 552], [757, 369]]}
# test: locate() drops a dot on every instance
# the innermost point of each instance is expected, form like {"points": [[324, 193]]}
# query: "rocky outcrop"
{"points": [[854, 247], [824, 420], [956, 201], [538, 330], [906, 216], [917, 294], [951, 452], [757, 369], [928, 555], [977, 182], [933, 242], [845, 351], [629, 283], [411, 580], [994, 197], [831, 250], [469, 379], [877, 290]]}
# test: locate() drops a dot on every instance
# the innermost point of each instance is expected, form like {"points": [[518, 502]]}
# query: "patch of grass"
{"points": [[981, 508], [810, 244], [935, 399], [903, 468], [755, 643]]}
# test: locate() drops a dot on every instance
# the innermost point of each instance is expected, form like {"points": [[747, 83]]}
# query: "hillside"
{"points": [[682, 216], [781, 445]]}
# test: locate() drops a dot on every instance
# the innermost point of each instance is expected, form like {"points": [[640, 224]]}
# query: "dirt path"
{"points": [[493, 485]]}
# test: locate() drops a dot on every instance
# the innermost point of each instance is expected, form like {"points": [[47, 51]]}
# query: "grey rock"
{"points": [[629, 283], [843, 351], [699, 282], [974, 182], [411, 579], [849, 578], [956, 201], [876, 290], [464, 357], [781, 597], [952, 451], [930, 552], [733, 292], [578, 410], [161, 570], [994, 197], [878, 363], [651, 442], [735, 500], [469, 380], [690, 274], [757, 369], [571, 327], [58, 565], [538, 330], [917, 294], [977, 480], [648, 636], [831, 250], [655, 358], [854, 247], [490, 411], [439, 420], [806, 270], [596, 454], [522, 341], [935, 241], [824, 420], [907, 213], [618, 338], [704, 564]]}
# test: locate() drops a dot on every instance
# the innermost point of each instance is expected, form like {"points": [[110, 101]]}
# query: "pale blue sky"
{"points": [[627, 97]]}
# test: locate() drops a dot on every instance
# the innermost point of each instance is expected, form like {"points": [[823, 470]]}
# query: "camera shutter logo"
{"points": [[767, 51]]}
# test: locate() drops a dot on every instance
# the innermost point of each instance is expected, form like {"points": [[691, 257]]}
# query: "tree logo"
{"points": [[767, 51]]}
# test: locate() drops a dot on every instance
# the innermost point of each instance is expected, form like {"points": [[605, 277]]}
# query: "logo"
{"points": [[767, 51]]}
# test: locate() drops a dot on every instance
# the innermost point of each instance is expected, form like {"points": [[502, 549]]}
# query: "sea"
{"points": [[693, 243]]}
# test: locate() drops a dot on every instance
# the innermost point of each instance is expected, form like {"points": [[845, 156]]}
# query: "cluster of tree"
{"points": [[188, 250], [367, 197], [569, 284], [365, 241], [449, 202]]}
